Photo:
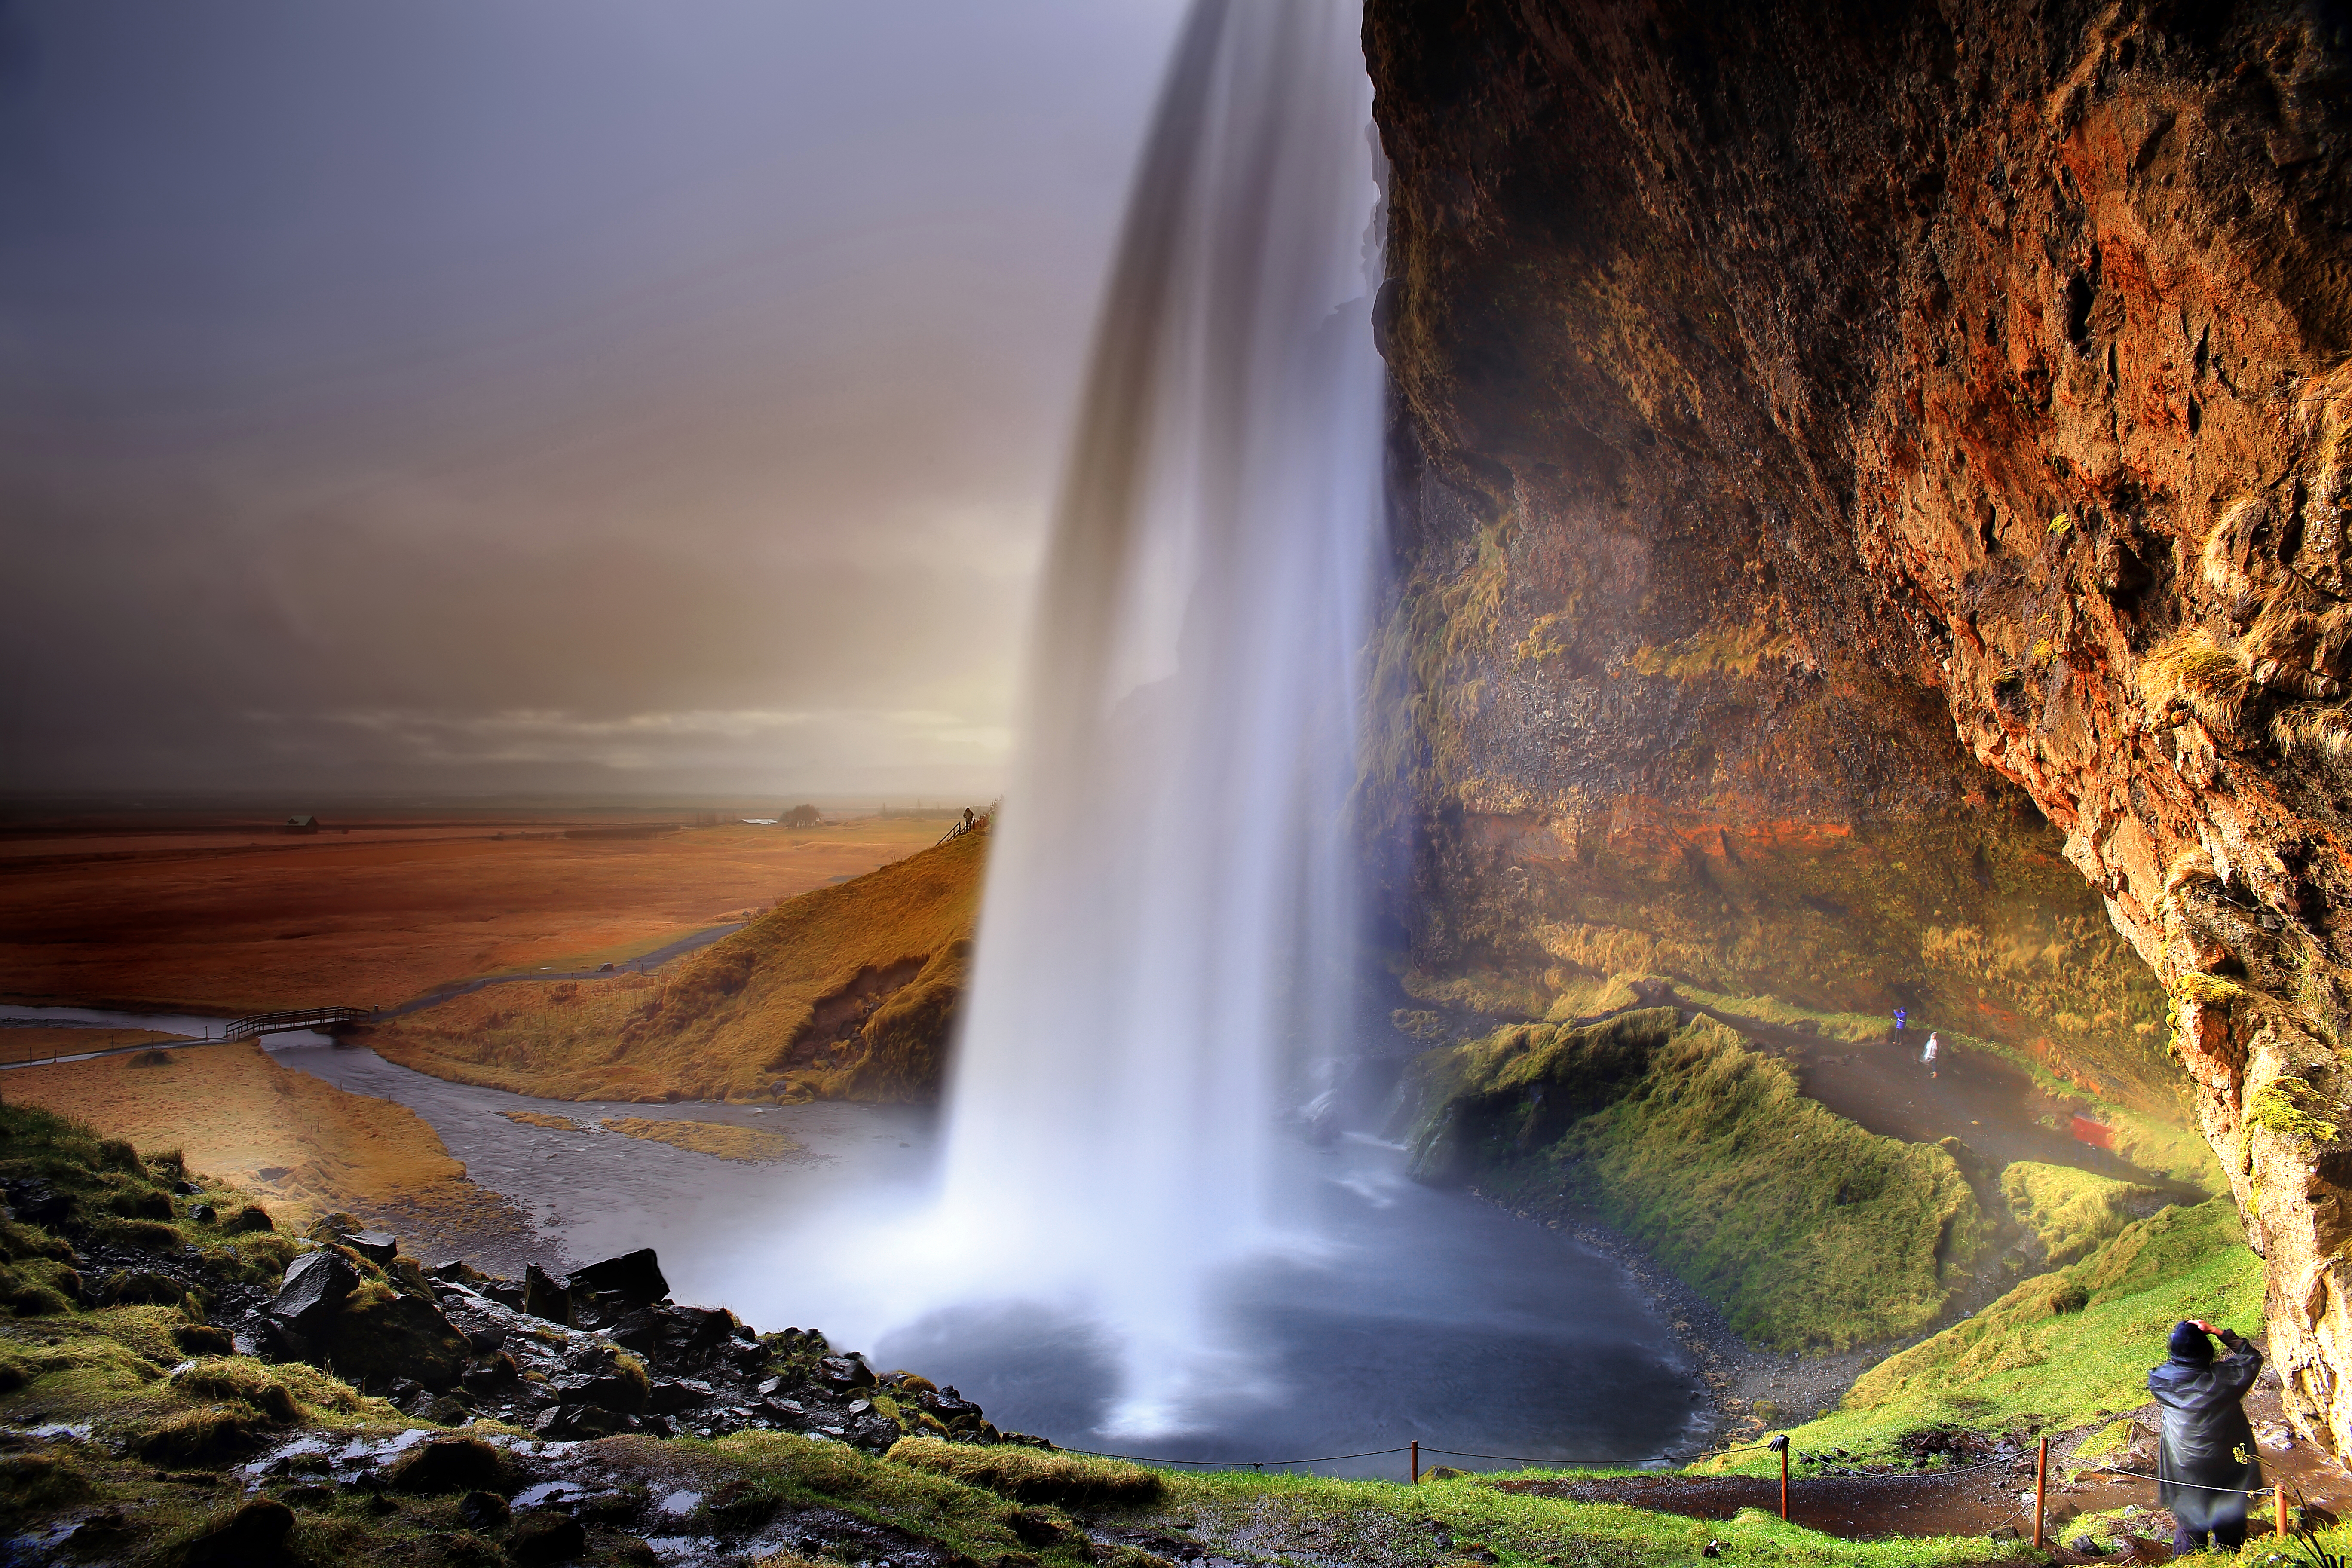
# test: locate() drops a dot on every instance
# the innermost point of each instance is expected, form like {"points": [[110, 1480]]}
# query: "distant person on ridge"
{"points": [[1928, 1056], [967, 819], [2205, 1464]]}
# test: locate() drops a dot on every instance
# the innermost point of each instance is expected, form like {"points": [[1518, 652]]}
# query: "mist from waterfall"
{"points": [[1168, 907]]}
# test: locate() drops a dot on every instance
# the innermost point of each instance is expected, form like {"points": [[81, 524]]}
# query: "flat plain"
{"points": [[226, 918]]}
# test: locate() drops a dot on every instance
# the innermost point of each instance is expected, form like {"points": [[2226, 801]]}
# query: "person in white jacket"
{"points": [[1928, 1056]]}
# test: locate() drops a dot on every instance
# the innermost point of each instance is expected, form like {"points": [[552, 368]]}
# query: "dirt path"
{"points": [[1986, 1497]]}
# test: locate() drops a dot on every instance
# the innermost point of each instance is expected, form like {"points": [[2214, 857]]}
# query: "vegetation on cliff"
{"points": [[1804, 1228], [849, 992], [2070, 1211]]}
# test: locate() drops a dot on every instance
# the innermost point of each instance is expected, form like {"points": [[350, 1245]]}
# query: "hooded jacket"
{"points": [[2199, 1476]]}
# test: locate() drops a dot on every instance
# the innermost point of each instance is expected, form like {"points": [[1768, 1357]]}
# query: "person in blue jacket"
{"points": [[2205, 1462]]}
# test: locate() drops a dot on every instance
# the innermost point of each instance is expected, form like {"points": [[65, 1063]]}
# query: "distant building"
{"points": [[801, 816], [301, 825]]}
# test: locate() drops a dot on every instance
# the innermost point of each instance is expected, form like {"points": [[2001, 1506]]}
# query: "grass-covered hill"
{"points": [[849, 992], [2065, 1350], [1805, 1229]]}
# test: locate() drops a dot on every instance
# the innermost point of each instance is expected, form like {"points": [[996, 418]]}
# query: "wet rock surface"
{"points": [[1829, 442], [600, 1352]]}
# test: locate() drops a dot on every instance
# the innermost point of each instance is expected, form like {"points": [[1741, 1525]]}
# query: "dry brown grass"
{"points": [[39, 1042], [724, 1140], [233, 1113], [374, 919], [2199, 673], [800, 998], [542, 1118]]}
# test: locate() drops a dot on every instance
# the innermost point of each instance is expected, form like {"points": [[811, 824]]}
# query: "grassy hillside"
{"points": [[847, 993], [2062, 1349], [307, 1147], [1804, 1228]]}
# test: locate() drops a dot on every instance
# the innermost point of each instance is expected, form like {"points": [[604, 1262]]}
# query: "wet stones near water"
{"points": [[609, 1354], [378, 1247], [634, 1279], [543, 1297], [316, 1285]]}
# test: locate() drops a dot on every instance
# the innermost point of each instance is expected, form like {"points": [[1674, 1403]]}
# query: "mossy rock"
{"points": [[379, 1336], [1029, 1474], [1806, 1229], [208, 1434]]}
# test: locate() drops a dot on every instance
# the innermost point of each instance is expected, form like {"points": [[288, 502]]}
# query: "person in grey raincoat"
{"points": [[2205, 1463]]}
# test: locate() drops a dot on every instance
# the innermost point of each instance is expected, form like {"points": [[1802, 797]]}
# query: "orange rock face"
{"points": [[1850, 414]]}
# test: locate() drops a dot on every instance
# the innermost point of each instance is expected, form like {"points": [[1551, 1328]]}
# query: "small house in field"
{"points": [[301, 825]]}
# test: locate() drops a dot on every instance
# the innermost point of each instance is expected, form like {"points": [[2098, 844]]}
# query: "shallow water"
{"points": [[1402, 1312]]}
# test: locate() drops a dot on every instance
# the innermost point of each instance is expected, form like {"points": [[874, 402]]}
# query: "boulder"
{"points": [[670, 1395], [256, 1533], [204, 1214], [378, 1247], [452, 1464], [316, 1285], [245, 1221], [634, 1277], [641, 1330], [845, 1372], [544, 1535], [483, 1510], [37, 1203], [375, 1340], [572, 1423], [543, 1296]]}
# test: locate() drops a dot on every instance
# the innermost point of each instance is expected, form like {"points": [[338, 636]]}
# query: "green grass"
{"points": [[1374, 1522], [1806, 1229], [2033, 1361], [2070, 1211]]}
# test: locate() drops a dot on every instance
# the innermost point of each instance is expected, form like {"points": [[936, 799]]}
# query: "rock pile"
{"points": [[597, 1353]]}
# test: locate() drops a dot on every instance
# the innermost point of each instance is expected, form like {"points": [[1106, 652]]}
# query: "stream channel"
{"points": [[1417, 1314]]}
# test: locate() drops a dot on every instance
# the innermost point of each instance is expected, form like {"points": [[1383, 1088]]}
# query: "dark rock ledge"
{"points": [[595, 1353]]}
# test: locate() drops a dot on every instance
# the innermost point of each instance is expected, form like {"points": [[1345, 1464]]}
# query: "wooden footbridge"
{"points": [[260, 1023]]}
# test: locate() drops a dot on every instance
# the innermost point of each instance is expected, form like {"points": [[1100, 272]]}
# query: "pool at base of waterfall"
{"points": [[1389, 1313]]}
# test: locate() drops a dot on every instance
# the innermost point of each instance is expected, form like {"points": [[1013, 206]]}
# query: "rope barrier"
{"points": [[2193, 1486], [1237, 1464], [1513, 1460]]}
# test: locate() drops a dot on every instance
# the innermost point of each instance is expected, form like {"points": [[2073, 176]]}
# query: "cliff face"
{"points": [[1890, 448]]}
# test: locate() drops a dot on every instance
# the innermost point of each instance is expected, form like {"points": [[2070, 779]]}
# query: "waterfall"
{"points": [[1168, 909]]}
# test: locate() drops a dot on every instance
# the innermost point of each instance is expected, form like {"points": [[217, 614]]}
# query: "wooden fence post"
{"points": [[2041, 1480], [1416, 1461], [1782, 1443]]}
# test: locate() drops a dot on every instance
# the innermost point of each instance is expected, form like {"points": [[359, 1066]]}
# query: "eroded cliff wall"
{"points": [[1850, 457]]}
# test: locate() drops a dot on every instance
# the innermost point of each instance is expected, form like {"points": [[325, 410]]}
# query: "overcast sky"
{"points": [[499, 395]]}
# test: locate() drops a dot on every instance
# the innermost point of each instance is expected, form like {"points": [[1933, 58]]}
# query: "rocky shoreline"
{"points": [[597, 1353]]}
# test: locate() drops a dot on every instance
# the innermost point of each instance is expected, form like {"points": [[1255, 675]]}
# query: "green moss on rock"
{"points": [[1807, 1230]]}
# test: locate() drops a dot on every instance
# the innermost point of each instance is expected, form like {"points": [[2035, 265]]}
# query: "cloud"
{"points": [[488, 392]]}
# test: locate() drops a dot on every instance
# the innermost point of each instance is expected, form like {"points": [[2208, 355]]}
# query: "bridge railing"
{"points": [[261, 1024]]}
